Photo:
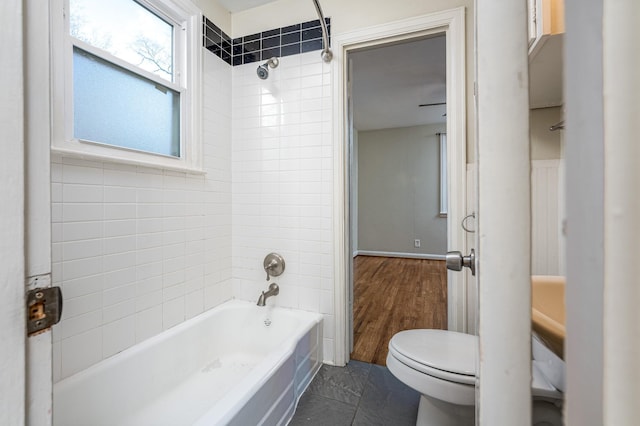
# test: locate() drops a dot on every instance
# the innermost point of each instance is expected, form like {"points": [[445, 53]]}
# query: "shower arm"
{"points": [[326, 52]]}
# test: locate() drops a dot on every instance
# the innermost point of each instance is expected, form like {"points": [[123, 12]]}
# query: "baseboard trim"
{"points": [[396, 254]]}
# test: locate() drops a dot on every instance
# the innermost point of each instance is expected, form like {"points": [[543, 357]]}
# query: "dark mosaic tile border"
{"points": [[285, 41], [215, 40]]}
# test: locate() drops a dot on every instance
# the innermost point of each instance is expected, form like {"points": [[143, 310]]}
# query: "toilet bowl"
{"points": [[441, 365]]}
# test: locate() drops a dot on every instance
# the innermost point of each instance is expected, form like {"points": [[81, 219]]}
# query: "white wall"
{"points": [[547, 195], [283, 183], [545, 144], [357, 14], [353, 195], [139, 250], [345, 15], [216, 13], [545, 218], [399, 191]]}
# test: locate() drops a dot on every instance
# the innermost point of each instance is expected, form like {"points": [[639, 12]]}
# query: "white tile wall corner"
{"points": [[283, 184], [138, 250]]}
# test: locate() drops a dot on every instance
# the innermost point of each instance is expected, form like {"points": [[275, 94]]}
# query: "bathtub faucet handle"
{"points": [[273, 265], [269, 267]]}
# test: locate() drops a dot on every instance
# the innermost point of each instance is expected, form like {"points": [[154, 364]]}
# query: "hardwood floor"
{"points": [[394, 294]]}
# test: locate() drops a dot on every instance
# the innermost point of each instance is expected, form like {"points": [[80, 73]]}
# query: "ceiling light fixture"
{"points": [[434, 104]]}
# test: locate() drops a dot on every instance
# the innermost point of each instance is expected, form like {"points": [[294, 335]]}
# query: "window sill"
{"points": [[120, 160]]}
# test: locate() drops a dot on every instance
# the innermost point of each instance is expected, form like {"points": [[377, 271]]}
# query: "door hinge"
{"points": [[44, 309]]}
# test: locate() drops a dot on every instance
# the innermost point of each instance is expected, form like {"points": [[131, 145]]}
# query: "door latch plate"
{"points": [[44, 308]]}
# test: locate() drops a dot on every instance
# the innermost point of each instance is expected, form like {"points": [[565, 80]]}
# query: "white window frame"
{"points": [[187, 20]]}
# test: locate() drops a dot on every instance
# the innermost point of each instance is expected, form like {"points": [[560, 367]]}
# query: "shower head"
{"points": [[263, 70]]}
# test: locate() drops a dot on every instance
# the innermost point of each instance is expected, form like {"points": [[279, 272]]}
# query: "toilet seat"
{"points": [[451, 356], [442, 366], [447, 355]]}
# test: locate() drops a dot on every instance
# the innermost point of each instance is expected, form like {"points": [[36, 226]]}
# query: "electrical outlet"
{"points": [[416, 243]]}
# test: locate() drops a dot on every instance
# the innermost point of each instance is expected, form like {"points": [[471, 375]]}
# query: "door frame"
{"points": [[452, 24]]}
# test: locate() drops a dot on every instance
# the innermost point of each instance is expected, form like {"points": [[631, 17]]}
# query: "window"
{"points": [[126, 76], [443, 175]]}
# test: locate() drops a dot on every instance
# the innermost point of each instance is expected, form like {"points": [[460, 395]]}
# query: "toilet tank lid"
{"points": [[440, 349]]}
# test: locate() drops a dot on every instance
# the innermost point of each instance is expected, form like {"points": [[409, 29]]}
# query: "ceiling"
{"points": [[390, 82], [234, 6]]}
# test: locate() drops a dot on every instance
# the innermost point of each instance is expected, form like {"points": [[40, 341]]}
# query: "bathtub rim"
{"points": [[242, 391], [139, 347]]}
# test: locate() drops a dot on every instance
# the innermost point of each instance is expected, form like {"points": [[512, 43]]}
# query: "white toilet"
{"points": [[441, 365]]}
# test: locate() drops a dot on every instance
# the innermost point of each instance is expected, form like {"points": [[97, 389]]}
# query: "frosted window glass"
{"points": [[127, 30], [117, 107]]}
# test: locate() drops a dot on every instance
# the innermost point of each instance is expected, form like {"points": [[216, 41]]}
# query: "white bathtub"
{"points": [[236, 364]]}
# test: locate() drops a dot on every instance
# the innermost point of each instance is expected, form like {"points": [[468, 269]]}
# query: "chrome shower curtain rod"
{"points": [[326, 53]]}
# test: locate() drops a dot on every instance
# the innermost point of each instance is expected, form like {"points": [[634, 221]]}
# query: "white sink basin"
{"points": [[548, 311]]}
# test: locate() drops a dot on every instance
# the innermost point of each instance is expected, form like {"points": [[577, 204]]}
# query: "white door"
{"points": [[602, 64], [12, 310], [504, 224], [25, 221], [37, 207]]}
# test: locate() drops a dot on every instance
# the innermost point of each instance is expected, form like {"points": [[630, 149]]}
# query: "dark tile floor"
{"points": [[358, 394]]}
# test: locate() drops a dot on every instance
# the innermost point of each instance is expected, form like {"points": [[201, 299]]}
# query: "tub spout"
{"points": [[272, 291]]}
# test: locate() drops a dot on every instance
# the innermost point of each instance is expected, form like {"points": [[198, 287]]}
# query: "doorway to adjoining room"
{"points": [[398, 191]]}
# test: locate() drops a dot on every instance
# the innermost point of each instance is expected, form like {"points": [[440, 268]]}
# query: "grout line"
{"points": [[364, 387]]}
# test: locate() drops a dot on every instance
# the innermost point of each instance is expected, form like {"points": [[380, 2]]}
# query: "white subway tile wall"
{"points": [[138, 250], [283, 184]]}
